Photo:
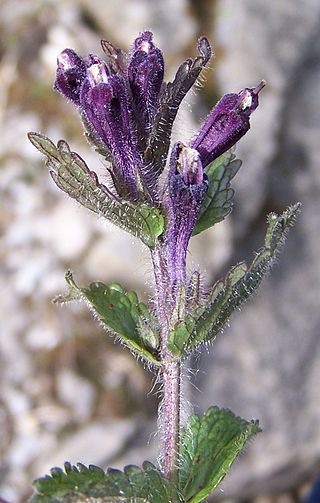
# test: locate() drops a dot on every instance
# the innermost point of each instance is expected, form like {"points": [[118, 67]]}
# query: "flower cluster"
{"points": [[128, 112]]}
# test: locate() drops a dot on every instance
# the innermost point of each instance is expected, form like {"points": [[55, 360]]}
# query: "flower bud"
{"points": [[226, 124], [145, 75], [71, 72]]}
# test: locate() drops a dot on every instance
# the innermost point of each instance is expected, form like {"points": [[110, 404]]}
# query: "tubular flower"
{"points": [[226, 124], [187, 188], [71, 72], [117, 100], [104, 102]]}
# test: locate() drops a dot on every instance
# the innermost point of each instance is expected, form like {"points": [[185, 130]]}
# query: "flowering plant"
{"points": [[128, 111]]}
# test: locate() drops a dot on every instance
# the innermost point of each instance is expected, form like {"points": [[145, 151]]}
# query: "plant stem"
{"points": [[171, 369], [170, 411]]}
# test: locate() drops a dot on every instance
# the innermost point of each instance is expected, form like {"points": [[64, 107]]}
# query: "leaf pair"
{"points": [[121, 313], [72, 175], [205, 322], [209, 445]]}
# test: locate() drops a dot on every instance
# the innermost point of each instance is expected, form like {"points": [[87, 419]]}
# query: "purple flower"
{"points": [[226, 124], [187, 188], [71, 73], [105, 104], [145, 76], [117, 103], [128, 112]]}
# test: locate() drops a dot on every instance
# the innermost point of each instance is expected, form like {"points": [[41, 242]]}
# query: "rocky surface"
{"points": [[65, 386], [268, 362]]}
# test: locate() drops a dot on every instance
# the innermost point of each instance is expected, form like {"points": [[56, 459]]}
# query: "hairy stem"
{"points": [[171, 368], [163, 295], [170, 412]]}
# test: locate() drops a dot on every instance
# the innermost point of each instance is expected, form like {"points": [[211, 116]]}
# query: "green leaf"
{"points": [[218, 201], [72, 175], [209, 445], [93, 485], [205, 322], [121, 313]]}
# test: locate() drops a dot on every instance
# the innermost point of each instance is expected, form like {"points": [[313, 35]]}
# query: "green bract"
{"points": [[121, 313], [218, 201], [72, 175]]}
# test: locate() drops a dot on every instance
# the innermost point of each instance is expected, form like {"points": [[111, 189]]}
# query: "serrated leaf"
{"points": [[209, 445], [120, 312], [93, 485], [206, 321], [72, 175], [218, 201], [172, 95]]}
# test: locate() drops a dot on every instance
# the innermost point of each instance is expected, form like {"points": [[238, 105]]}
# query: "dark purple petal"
{"points": [[104, 102], [145, 75], [187, 188], [70, 75], [228, 121]]}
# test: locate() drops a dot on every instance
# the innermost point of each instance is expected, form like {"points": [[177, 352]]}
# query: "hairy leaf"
{"points": [[71, 174], [218, 201], [171, 98], [121, 313], [209, 445], [93, 485], [206, 321]]}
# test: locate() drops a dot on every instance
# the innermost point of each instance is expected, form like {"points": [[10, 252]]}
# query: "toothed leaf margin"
{"points": [[71, 174], [209, 445], [120, 312], [91, 484]]}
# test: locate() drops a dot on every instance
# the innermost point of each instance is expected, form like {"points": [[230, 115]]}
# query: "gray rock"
{"points": [[97, 443], [267, 365]]}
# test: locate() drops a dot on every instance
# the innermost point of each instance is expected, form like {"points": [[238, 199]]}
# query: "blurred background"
{"points": [[67, 392]]}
